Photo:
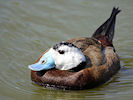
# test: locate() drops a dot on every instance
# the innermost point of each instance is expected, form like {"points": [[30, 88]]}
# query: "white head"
{"points": [[65, 56]]}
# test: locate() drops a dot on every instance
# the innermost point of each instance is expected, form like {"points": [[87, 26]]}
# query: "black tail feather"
{"points": [[106, 30]]}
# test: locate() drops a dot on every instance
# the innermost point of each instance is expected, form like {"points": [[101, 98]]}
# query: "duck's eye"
{"points": [[61, 51]]}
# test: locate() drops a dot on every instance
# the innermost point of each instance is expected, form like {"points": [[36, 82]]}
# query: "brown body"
{"points": [[102, 61]]}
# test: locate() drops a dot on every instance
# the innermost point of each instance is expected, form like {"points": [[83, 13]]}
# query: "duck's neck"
{"points": [[79, 67]]}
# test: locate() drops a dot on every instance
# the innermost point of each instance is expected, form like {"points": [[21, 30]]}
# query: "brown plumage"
{"points": [[102, 61]]}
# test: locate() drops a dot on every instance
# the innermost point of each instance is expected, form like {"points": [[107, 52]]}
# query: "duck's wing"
{"points": [[105, 32], [92, 49]]}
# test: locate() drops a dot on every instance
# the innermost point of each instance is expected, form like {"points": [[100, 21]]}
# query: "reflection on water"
{"points": [[29, 27]]}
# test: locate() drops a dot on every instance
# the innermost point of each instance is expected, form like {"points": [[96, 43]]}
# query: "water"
{"points": [[29, 27]]}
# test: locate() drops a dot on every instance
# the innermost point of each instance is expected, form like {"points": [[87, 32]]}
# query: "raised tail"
{"points": [[105, 32]]}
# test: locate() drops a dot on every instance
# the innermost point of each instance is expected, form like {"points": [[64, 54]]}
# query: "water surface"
{"points": [[29, 27]]}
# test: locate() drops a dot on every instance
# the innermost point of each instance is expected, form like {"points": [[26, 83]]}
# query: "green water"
{"points": [[29, 27]]}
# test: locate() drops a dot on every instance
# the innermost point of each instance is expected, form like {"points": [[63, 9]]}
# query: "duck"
{"points": [[79, 63]]}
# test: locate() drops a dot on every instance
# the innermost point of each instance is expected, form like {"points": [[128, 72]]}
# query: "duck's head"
{"points": [[62, 56]]}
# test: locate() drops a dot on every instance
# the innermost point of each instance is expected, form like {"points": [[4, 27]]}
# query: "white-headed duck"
{"points": [[79, 63]]}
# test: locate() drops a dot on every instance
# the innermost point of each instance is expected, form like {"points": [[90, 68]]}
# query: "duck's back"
{"points": [[84, 42], [92, 49]]}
